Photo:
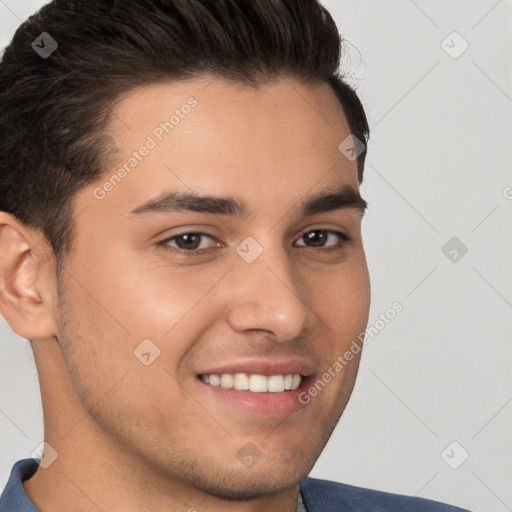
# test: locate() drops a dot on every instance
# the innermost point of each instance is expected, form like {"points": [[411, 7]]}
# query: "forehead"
{"points": [[233, 100], [262, 144]]}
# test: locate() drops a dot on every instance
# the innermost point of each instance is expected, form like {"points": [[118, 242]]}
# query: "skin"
{"points": [[134, 437]]}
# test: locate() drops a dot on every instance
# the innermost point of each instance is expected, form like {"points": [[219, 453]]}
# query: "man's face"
{"points": [[273, 286]]}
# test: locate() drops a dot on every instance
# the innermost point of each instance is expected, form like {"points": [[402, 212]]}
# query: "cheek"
{"points": [[147, 296], [98, 346], [172, 302], [341, 297]]}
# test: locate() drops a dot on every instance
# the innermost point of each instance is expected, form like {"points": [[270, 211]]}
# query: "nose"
{"points": [[267, 295]]}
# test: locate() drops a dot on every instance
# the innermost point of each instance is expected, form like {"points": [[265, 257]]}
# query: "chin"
{"points": [[250, 485]]}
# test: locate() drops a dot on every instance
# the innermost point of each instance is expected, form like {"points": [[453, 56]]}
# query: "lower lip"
{"points": [[267, 404]]}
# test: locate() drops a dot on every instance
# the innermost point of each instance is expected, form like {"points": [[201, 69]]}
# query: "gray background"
{"points": [[439, 166]]}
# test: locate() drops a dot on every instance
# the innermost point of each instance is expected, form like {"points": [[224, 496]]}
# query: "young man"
{"points": [[180, 240]]}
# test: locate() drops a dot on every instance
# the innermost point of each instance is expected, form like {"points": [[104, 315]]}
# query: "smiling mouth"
{"points": [[254, 382]]}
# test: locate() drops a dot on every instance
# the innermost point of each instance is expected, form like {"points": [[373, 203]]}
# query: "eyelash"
{"points": [[196, 252]]}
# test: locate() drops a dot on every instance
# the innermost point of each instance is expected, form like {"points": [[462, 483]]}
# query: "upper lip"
{"points": [[264, 367]]}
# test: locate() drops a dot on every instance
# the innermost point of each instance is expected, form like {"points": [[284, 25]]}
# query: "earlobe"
{"points": [[26, 280]]}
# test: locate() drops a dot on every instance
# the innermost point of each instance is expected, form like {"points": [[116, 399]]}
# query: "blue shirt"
{"points": [[317, 495]]}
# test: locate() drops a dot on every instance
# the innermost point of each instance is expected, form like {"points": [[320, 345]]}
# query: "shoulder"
{"points": [[325, 496]]}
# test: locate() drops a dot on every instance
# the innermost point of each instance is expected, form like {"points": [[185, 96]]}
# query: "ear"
{"points": [[28, 288]]}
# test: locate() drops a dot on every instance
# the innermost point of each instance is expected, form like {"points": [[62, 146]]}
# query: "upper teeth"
{"points": [[254, 382]]}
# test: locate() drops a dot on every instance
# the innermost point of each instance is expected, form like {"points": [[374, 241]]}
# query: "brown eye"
{"points": [[186, 242], [317, 238]]}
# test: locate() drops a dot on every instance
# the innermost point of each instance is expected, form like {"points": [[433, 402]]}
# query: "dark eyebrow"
{"points": [[334, 198]]}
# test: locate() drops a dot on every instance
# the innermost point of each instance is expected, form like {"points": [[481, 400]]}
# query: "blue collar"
{"points": [[14, 496]]}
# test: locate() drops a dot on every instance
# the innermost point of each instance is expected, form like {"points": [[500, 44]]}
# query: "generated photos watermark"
{"points": [[356, 347], [151, 142]]}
